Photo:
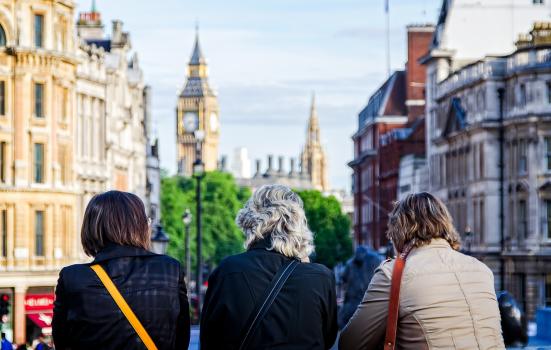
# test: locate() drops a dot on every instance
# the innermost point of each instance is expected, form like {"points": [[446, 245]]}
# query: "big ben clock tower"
{"points": [[197, 109]]}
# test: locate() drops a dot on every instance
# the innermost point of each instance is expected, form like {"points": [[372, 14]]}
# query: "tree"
{"points": [[222, 199], [331, 227]]}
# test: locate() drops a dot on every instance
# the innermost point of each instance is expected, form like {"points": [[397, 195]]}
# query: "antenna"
{"points": [[387, 17]]}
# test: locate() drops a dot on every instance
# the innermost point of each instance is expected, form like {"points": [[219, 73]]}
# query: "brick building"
{"points": [[390, 127]]}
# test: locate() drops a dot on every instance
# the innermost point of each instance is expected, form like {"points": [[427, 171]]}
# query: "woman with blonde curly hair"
{"points": [[445, 299], [271, 297]]}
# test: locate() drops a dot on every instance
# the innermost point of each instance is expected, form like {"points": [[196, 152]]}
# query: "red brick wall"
{"points": [[419, 39]]}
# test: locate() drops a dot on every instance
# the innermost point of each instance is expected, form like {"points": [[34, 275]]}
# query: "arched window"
{"points": [[2, 36]]}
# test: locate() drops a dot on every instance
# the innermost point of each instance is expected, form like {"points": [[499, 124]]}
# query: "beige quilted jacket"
{"points": [[447, 301]]}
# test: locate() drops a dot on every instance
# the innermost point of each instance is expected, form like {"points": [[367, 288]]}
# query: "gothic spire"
{"points": [[313, 122], [197, 57], [94, 10]]}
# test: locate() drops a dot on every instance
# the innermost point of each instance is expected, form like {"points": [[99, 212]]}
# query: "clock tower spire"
{"points": [[197, 108]]}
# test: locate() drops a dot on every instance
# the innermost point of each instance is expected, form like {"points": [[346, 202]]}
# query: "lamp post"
{"points": [[198, 174], [159, 240], [468, 238], [186, 219]]}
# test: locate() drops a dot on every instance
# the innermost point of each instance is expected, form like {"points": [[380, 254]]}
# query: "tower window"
{"points": [[3, 161], [38, 30], [538, 2], [4, 228]]}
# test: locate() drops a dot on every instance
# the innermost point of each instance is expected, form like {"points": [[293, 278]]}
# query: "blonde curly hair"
{"points": [[275, 212]]}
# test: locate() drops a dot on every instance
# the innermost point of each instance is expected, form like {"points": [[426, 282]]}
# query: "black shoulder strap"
{"points": [[271, 293]]}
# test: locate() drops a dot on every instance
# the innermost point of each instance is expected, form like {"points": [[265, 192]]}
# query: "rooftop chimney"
{"points": [[258, 172], [419, 38], [270, 171], [280, 166], [292, 172]]}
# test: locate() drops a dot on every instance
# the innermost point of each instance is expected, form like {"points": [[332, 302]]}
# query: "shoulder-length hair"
{"points": [[417, 219], [114, 217], [276, 213]]}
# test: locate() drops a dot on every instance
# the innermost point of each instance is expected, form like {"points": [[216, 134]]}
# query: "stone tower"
{"points": [[197, 101], [313, 157]]}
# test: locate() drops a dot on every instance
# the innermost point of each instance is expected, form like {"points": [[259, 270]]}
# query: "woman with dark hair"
{"points": [[127, 297]]}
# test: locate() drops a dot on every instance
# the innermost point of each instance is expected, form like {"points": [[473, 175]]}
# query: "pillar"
{"points": [[19, 324]]}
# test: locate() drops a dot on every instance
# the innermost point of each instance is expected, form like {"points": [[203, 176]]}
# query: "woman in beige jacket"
{"points": [[447, 299]]}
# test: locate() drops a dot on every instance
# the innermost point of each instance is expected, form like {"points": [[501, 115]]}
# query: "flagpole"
{"points": [[387, 17]]}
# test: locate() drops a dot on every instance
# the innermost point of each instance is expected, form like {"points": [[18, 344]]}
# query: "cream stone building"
{"points": [[38, 183], [198, 104], [72, 124], [313, 160]]}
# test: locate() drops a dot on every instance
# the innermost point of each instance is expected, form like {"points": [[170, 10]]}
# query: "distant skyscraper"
{"points": [[197, 103], [241, 163]]}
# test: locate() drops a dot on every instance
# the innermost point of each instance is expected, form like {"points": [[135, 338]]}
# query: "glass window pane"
{"points": [[4, 228], [2, 37], [38, 30], [39, 100], [2, 97], [3, 165], [38, 163], [39, 233]]}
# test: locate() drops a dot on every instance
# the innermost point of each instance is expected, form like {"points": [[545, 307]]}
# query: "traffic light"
{"points": [[4, 305]]}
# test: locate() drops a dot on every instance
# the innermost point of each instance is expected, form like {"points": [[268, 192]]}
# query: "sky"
{"points": [[265, 60]]}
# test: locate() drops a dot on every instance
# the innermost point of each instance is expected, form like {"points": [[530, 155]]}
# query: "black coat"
{"points": [[303, 316], [86, 317]]}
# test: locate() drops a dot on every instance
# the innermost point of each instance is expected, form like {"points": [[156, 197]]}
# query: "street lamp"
{"points": [[159, 241], [191, 125], [186, 219], [198, 173]]}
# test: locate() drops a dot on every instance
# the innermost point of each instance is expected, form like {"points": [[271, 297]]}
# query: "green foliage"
{"points": [[330, 225], [222, 199]]}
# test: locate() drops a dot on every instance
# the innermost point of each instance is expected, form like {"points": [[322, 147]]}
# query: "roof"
{"points": [[197, 87], [388, 100], [197, 57], [437, 38]]}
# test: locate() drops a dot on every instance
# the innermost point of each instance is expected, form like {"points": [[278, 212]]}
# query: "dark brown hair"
{"points": [[417, 219], [114, 217]]}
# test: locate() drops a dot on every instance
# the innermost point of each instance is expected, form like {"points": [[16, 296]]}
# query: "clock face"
{"points": [[213, 122], [191, 121]]}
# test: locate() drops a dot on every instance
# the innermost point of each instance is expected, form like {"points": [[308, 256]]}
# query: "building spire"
{"points": [[197, 57], [94, 10], [313, 123]]}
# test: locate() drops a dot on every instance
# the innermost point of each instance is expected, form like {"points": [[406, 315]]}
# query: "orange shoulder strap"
{"points": [[394, 302], [123, 306]]}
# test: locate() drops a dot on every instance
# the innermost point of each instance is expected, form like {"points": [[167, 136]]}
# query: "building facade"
{"points": [[197, 104], [491, 163], [38, 182], [72, 112], [390, 127]]}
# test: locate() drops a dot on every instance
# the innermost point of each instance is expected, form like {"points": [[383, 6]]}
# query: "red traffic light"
{"points": [[5, 297]]}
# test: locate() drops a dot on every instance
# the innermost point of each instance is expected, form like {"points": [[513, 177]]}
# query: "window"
{"points": [[548, 219], [2, 97], [482, 216], [3, 161], [481, 160], [4, 231], [548, 84], [538, 2], [522, 95], [548, 153], [38, 30], [522, 157], [39, 233], [2, 37], [548, 289], [38, 162], [39, 100], [522, 219]]}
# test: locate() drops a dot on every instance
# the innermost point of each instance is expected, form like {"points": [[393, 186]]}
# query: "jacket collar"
{"points": [[435, 243], [113, 251], [265, 243]]}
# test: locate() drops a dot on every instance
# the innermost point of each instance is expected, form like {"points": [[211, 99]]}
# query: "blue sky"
{"points": [[265, 59]]}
